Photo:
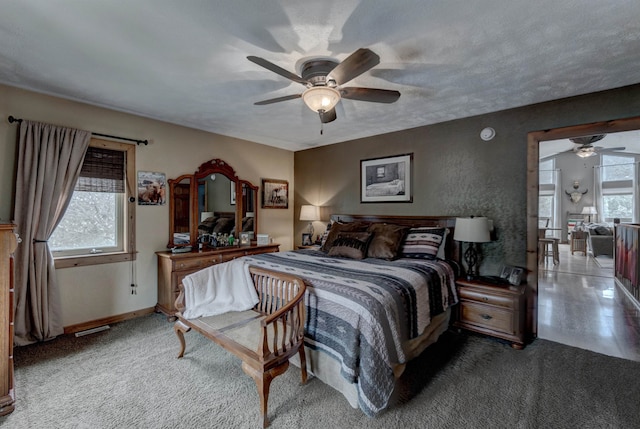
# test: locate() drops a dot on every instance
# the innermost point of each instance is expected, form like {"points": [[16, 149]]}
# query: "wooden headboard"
{"points": [[452, 247]]}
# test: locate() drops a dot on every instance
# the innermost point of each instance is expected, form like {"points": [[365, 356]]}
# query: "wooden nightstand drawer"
{"points": [[487, 317], [506, 301]]}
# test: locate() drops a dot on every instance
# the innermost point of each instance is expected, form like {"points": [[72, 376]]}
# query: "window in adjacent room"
{"points": [[98, 224], [617, 184], [548, 196]]}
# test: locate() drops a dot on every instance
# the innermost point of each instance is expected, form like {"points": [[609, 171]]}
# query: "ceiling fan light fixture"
{"points": [[321, 98], [585, 152]]}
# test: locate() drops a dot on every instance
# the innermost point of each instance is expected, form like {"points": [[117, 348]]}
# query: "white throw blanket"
{"points": [[219, 289]]}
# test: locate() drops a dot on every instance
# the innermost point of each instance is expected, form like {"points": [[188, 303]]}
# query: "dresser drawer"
{"points": [[493, 318], [506, 301], [196, 263]]}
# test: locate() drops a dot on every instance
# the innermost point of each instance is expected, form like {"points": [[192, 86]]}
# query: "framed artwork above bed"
{"points": [[387, 179]]}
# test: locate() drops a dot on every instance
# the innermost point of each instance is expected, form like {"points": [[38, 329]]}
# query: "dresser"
{"points": [[490, 309], [173, 267], [8, 243]]}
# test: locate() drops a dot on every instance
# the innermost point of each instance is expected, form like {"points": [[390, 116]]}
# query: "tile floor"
{"points": [[580, 305]]}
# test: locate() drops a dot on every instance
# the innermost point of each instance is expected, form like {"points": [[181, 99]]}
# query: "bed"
{"points": [[368, 316]]}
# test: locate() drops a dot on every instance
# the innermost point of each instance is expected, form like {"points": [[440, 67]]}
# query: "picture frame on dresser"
{"points": [[306, 239]]}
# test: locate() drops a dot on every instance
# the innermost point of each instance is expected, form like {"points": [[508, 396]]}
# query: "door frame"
{"points": [[533, 150]]}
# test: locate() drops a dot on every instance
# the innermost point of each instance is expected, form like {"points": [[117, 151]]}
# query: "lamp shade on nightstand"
{"points": [[310, 213], [472, 230]]}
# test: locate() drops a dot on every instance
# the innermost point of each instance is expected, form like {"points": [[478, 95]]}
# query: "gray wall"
{"points": [[454, 171]]}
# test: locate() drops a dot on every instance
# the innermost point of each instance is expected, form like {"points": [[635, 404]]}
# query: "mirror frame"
{"points": [[213, 166], [172, 206]]}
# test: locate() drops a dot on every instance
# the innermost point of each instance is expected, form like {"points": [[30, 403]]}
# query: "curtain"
{"points": [[49, 162], [557, 206], [597, 186]]}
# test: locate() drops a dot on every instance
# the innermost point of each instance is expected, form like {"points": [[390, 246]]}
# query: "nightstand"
{"points": [[491, 309]]}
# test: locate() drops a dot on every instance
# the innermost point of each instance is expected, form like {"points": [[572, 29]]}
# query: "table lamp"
{"points": [[589, 210], [472, 230], [310, 213]]}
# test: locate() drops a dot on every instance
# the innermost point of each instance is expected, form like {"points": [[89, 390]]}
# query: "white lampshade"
{"points": [[205, 215], [472, 230], [309, 212], [321, 98], [589, 210]]}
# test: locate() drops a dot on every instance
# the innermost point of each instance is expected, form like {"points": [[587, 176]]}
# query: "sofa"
{"points": [[600, 238]]}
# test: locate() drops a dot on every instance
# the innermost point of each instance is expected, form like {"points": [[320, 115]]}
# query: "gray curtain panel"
{"points": [[49, 162]]}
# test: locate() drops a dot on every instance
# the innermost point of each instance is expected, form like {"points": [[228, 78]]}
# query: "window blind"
{"points": [[103, 170]]}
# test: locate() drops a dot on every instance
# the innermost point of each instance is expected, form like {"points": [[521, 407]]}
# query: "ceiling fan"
{"points": [[323, 79], [585, 147]]}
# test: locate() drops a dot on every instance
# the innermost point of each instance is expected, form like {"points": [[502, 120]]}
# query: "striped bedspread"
{"points": [[363, 312]]}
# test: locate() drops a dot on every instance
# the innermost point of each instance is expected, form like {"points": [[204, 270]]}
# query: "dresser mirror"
{"points": [[213, 200]]}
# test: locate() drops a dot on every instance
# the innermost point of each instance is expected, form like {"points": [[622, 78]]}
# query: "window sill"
{"points": [[86, 260]]}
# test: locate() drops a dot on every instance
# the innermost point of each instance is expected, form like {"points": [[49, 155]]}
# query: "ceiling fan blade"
{"points": [[370, 94], [277, 69], [330, 116], [609, 149], [354, 65], [277, 99]]}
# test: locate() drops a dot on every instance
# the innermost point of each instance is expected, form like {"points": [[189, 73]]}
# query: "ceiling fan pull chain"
{"points": [[321, 128]]}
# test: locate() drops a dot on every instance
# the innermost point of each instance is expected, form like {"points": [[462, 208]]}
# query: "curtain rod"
{"points": [[145, 142]]}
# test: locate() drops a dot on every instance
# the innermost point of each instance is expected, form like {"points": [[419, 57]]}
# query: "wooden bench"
{"points": [[264, 338]]}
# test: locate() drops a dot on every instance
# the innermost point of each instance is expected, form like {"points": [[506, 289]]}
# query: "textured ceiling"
{"points": [[185, 62]]}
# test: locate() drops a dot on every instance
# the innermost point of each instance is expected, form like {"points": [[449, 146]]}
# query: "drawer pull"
{"points": [[486, 317]]}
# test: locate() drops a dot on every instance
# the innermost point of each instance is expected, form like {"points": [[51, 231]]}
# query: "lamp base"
{"points": [[471, 258]]}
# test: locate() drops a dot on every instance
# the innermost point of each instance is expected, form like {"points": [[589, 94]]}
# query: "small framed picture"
{"points": [[306, 239], [506, 272], [515, 278], [513, 275], [245, 239]]}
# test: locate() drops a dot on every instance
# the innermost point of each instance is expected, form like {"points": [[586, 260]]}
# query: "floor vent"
{"points": [[92, 330]]}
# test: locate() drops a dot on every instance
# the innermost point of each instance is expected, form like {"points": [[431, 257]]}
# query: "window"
{"points": [[546, 172], [617, 181], [98, 224], [618, 206], [547, 193]]}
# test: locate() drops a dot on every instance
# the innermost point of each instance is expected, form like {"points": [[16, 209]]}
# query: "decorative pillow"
{"points": [[425, 243], [386, 241], [337, 228], [351, 245]]}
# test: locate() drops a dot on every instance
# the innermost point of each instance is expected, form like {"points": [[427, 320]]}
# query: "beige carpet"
{"points": [[129, 377]]}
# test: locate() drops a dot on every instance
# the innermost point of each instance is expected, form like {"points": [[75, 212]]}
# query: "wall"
{"points": [[454, 171], [100, 291]]}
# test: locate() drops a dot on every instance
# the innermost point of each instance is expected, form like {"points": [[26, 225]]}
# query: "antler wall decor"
{"points": [[576, 195]]}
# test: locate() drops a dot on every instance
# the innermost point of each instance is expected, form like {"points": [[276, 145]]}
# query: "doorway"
{"points": [[533, 157]]}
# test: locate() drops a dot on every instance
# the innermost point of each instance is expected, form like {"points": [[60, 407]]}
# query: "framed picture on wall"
{"points": [[275, 194], [151, 188], [385, 180]]}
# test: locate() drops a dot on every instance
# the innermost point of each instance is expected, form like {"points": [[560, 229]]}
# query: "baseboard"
{"points": [[72, 329], [631, 298]]}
